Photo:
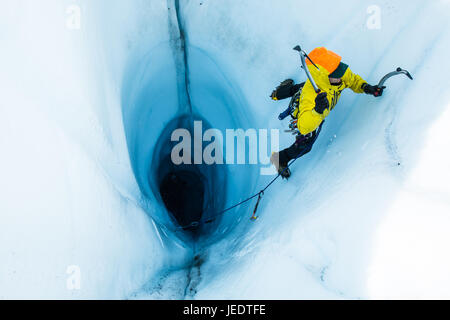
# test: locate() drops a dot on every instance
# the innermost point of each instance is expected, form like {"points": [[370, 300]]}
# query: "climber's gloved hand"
{"points": [[376, 91], [321, 102], [284, 90], [273, 96]]}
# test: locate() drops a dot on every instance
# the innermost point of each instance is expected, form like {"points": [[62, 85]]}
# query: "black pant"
{"points": [[302, 145]]}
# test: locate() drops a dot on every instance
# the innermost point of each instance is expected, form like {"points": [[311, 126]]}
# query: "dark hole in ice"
{"points": [[183, 195], [192, 194]]}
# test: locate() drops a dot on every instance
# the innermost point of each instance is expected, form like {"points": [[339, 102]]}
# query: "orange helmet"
{"points": [[326, 59]]}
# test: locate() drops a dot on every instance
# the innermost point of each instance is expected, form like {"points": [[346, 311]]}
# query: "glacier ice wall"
{"points": [[363, 216]]}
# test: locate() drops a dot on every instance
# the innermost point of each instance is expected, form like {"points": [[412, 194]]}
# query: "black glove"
{"points": [[285, 90], [321, 102], [376, 91]]}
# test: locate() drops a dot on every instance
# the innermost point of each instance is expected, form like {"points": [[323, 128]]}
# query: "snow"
{"points": [[364, 216], [410, 258]]}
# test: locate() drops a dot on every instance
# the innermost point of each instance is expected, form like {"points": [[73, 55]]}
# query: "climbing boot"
{"points": [[282, 168]]}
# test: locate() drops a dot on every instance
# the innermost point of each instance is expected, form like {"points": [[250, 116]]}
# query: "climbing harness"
{"points": [[293, 104]]}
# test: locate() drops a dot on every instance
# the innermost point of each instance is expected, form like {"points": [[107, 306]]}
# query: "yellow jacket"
{"points": [[308, 118]]}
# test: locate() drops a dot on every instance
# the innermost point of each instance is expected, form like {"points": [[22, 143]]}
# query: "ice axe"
{"points": [[303, 55], [391, 74]]}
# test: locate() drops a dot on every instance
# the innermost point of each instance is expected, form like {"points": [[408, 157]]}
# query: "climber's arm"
{"points": [[353, 81]]}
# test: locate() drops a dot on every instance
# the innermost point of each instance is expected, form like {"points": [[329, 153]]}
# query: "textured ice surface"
{"points": [[365, 214]]}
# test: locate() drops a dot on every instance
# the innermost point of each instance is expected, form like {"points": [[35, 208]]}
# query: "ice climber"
{"points": [[310, 109]]}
